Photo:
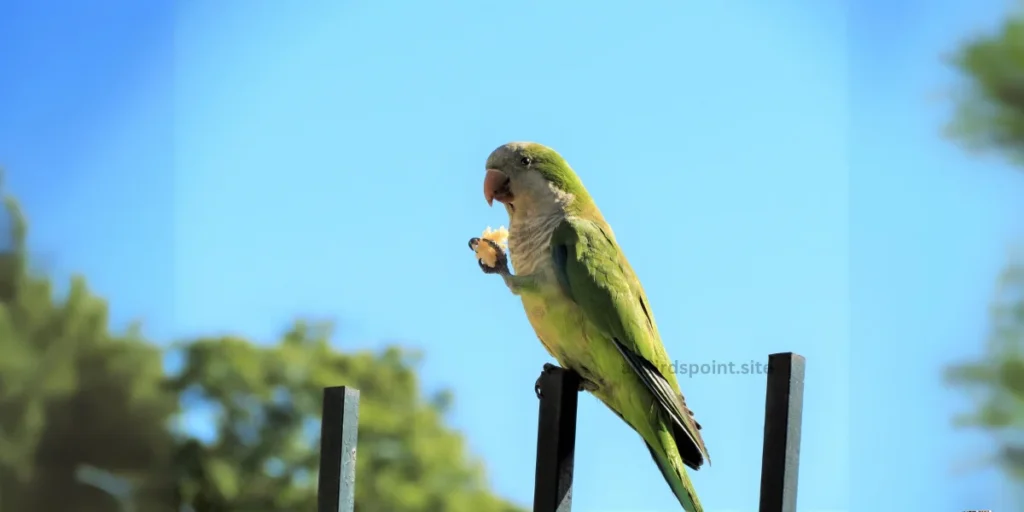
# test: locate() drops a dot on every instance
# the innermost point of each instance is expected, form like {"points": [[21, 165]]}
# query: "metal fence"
{"points": [[556, 440]]}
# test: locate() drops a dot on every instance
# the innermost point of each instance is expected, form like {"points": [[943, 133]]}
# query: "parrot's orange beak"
{"points": [[496, 186]]}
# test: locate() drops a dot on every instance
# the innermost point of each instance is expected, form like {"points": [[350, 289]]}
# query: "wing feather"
{"points": [[594, 273]]}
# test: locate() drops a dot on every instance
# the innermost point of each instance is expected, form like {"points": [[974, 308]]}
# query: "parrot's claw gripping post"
{"points": [[536, 386], [501, 265]]}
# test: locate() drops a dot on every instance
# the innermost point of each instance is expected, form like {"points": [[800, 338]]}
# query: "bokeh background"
{"points": [[267, 198]]}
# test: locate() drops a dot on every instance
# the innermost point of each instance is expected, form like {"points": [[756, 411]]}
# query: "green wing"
{"points": [[594, 273]]}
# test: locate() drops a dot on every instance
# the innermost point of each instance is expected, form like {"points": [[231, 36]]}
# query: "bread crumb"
{"points": [[485, 252]]}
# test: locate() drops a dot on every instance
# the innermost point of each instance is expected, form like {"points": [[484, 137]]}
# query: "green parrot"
{"points": [[587, 306]]}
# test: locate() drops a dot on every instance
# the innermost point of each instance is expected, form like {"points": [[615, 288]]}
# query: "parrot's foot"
{"points": [[585, 385], [501, 263], [548, 368]]}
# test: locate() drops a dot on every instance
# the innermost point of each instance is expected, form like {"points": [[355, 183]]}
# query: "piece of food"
{"points": [[484, 251]]}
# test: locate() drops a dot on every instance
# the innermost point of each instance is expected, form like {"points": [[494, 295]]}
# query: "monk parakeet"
{"points": [[587, 306]]}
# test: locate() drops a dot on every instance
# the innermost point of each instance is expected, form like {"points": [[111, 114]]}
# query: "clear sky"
{"points": [[774, 170]]}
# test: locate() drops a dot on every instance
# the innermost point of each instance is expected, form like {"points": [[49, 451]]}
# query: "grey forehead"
{"points": [[505, 152]]}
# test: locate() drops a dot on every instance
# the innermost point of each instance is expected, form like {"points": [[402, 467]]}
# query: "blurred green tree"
{"points": [[267, 402], [72, 394], [88, 418], [990, 105], [997, 379], [989, 116]]}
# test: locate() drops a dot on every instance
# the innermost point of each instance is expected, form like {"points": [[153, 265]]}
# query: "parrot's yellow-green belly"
{"points": [[579, 345], [574, 342]]}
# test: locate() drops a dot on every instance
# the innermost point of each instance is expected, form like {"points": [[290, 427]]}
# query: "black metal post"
{"points": [[780, 460], [336, 488], [556, 440]]}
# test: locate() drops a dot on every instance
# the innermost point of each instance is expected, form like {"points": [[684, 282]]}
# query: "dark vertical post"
{"points": [[556, 440], [783, 411], [336, 488]]}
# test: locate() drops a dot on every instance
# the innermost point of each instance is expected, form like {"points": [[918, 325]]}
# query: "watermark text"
{"points": [[717, 368]]}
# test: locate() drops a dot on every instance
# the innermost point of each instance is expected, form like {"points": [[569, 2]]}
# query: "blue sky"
{"points": [[773, 169]]}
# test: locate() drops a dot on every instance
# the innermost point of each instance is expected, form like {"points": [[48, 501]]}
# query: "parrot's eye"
{"points": [[526, 160]]}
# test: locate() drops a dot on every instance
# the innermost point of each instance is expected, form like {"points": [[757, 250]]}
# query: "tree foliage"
{"points": [[77, 401], [997, 379], [267, 403], [990, 110], [990, 116], [72, 394]]}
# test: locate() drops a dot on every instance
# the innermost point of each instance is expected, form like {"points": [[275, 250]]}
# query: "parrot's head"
{"points": [[531, 179]]}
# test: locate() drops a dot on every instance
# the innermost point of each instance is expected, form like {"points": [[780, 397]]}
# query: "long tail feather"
{"points": [[671, 466]]}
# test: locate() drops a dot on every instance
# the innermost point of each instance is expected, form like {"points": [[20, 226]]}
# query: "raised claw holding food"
{"points": [[501, 260]]}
